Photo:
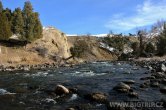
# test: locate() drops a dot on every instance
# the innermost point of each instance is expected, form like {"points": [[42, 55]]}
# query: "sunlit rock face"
{"points": [[54, 41]]}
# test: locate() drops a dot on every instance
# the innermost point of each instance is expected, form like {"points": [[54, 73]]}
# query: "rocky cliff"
{"points": [[54, 42]]}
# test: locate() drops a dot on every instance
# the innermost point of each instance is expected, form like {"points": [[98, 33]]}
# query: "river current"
{"points": [[26, 90]]}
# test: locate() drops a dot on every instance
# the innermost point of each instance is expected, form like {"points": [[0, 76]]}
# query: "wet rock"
{"points": [[133, 94], [70, 109], [163, 81], [73, 90], [163, 90], [97, 97], [122, 87], [147, 78], [159, 75], [129, 82], [154, 84], [49, 101], [145, 84], [61, 90]]}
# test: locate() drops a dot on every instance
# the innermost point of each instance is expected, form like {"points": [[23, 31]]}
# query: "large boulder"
{"points": [[97, 97], [122, 87], [61, 90]]}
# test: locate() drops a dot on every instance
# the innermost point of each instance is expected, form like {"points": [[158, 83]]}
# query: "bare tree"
{"points": [[141, 36]]}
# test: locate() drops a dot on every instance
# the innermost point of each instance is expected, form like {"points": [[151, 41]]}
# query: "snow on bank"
{"points": [[105, 46]]}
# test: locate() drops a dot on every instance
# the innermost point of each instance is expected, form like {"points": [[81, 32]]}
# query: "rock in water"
{"points": [[133, 94], [61, 90], [129, 82], [97, 97], [154, 84], [70, 109], [122, 87], [163, 90]]}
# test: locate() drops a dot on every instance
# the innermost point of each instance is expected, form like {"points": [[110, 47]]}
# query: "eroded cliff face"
{"points": [[54, 42]]}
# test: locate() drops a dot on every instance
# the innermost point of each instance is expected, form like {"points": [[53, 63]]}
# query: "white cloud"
{"points": [[146, 14]]}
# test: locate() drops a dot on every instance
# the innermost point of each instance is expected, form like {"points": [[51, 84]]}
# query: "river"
{"points": [[26, 90]]}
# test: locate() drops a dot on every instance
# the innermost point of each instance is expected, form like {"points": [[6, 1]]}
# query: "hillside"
{"points": [[95, 52], [53, 47]]}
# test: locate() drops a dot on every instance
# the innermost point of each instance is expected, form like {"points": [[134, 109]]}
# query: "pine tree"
{"points": [[162, 42], [18, 23], [38, 27], [27, 10], [32, 24], [1, 7], [8, 14], [5, 31], [28, 21]]}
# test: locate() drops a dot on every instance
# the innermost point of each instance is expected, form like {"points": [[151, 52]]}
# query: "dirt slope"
{"points": [[95, 53]]}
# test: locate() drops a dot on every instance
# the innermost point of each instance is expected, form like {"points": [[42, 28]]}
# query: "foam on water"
{"points": [[3, 92], [43, 74], [73, 97]]}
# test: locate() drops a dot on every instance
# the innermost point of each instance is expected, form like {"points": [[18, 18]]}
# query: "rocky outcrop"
{"points": [[53, 43]]}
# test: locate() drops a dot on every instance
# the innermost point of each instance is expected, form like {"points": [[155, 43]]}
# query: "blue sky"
{"points": [[96, 16]]}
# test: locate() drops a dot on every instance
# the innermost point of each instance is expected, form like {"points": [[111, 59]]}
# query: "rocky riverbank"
{"points": [[28, 67]]}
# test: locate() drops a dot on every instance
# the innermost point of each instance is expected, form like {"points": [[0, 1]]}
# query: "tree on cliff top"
{"points": [[18, 23], [5, 31], [32, 24]]}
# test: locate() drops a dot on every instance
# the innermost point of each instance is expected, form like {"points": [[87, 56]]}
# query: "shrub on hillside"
{"points": [[79, 48], [135, 47], [150, 48], [42, 51], [116, 42]]}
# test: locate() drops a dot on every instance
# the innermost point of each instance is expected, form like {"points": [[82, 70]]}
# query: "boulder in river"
{"points": [[145, 84], [147, 78], [129, 82], [122, 87], [133, 94], [154, 84], [163, 81], [159, 75], [97, 97], [163, 90], [70, 109], [61, 90]]}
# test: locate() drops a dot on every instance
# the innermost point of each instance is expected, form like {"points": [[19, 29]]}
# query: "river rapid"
{"points": [[29, 90]]}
